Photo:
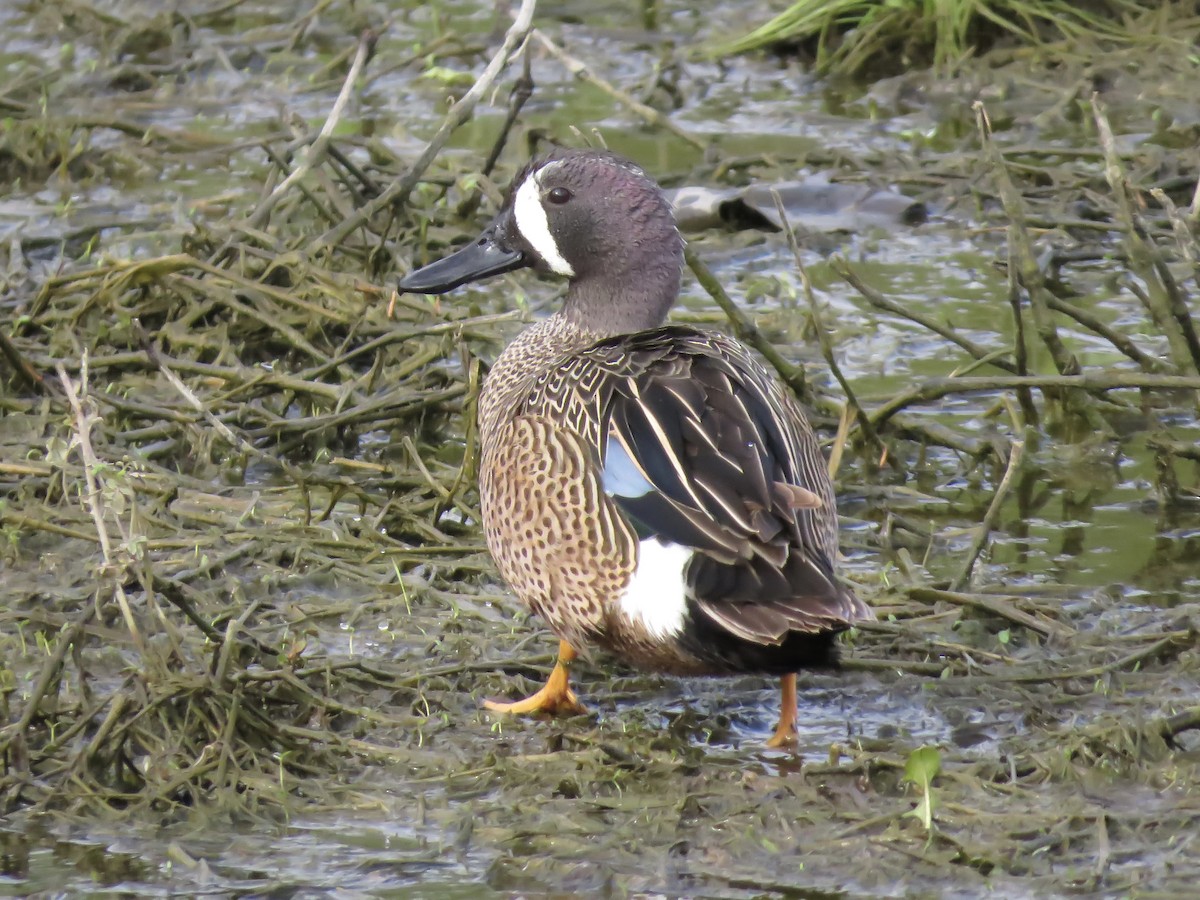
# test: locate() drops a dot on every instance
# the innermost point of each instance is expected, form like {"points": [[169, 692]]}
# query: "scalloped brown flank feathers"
{"points": [[649, 489]]}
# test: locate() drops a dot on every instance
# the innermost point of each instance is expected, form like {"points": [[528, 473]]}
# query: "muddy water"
{"points": [[664, 792]]}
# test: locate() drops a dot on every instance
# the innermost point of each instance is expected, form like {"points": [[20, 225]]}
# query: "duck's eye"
{"points": [[559, 195]]}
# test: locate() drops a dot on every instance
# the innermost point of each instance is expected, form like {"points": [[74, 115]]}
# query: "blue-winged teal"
{"points": [[647, 488]]}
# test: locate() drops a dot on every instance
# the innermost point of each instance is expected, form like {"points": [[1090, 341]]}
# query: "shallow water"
{"points": [[665, 791]]}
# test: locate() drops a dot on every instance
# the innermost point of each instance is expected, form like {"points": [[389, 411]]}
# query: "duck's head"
{"points": [[587, 215]]}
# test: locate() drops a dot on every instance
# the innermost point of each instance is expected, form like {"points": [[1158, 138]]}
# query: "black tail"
{"points": [[727, 653]]}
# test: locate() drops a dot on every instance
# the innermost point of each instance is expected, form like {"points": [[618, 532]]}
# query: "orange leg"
{"points": [[556, 697], [785, 732]]}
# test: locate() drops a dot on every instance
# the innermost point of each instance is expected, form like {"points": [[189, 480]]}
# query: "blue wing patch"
{"points": [[621, 476]]}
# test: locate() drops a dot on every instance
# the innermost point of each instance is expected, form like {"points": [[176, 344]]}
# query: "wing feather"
{"points": [[699, 445]]}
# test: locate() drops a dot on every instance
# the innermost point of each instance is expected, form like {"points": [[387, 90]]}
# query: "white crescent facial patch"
{"points": [[530, 216]]}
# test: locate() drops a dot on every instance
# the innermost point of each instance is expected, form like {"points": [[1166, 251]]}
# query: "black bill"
{"points": [[483, 257]]}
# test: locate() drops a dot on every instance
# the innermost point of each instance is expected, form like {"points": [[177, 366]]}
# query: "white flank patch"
{"points": [[534, 226], [655, 597]]}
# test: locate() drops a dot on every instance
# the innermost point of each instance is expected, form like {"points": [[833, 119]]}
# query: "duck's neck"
{"points": [[632, 291], [603, 309]]}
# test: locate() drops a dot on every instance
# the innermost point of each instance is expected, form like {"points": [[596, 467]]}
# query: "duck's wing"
{"points": [[701, 447]]}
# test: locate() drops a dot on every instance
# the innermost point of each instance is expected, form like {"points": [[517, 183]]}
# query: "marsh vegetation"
{"points": [[248, 614]]}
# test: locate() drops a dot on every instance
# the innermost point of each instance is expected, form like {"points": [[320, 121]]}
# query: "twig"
{"points": [[94, 499], [396, 404], [920, 428], [280, 161], [743, 328], [1020, 346], [317, 151], [268, 317], [841, 266], [985, 527], [50, 669], [839, 441], [193, 401], [522, 90], [365, 181], [907, 666], [1162, 297], [1123, 343], [864, 421], [398, 193], [1170, 727], [21, 366], [936, 388], [583, 73], [1174, 448], [1178, 639], [997, 606], [1022, 249], [1189, 247]]}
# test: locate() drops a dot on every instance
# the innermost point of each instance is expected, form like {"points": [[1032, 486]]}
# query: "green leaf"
{"points": [[448, 76], [923, 764], [921, 768]]}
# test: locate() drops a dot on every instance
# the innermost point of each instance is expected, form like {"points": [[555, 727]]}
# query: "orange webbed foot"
{"points": [[556, 703], [555, 697]]}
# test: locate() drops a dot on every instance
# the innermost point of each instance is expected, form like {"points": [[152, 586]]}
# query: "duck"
{"points": [[646, 489]]}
